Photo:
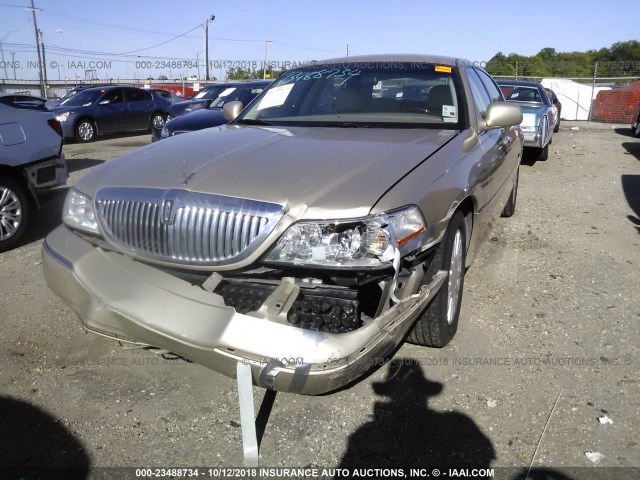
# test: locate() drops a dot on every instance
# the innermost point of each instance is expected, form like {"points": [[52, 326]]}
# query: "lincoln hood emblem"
{"points": [[167, 211]]}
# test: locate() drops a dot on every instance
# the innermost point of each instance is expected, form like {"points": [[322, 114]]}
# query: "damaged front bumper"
{"points": [[127, 300]]}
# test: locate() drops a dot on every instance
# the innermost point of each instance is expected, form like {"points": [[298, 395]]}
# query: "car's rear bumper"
{"points": [[533, 140], [121, 298]]}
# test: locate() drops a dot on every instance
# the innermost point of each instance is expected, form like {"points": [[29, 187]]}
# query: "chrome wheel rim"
{"points": [[10, 213], [157, 122], [85, 129], [455, 277]]}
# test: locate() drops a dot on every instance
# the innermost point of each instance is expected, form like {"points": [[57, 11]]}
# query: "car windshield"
{"points": [[520, 93], [232, 94], [388, 94], [83, 98], [208, 93], [68, 95]]}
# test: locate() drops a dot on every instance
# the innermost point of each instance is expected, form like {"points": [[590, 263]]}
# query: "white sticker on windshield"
{"points": [[449, 114], [449, 111], [275, 96], [227, 92]]}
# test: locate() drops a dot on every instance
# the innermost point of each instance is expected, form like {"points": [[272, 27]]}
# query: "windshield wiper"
{"points": [[248, 121], [340, 125]]}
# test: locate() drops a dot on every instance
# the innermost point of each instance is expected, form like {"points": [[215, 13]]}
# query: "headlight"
{"points": [[368, 242], [63, 117], [78, 212]]}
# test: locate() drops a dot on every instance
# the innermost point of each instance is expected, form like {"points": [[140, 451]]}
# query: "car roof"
{"points": [[250, 83], [518, 82], [108, 87], [414, 58]]}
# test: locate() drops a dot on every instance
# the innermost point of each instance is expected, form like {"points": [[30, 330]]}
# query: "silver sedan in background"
{"points": [[539, 115]]}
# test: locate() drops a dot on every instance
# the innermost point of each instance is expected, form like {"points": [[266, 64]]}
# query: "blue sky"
{"points": [[297, 30]]}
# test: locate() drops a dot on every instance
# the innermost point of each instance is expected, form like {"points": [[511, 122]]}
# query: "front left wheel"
{"points": [[14, 212], [157, 121], [439, 322], [85, 131]]}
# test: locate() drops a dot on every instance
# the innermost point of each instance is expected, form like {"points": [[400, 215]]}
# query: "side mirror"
{"points": [[500, 115], [104, 102], [231, 110]]}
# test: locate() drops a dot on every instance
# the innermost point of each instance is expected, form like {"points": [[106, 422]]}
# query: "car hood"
{"points": [[179, 108], [313, 171], [203, 118], [68, 108]]}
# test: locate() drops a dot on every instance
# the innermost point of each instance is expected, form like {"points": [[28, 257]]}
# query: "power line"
{"points": [[174, 36], [162, 43]]}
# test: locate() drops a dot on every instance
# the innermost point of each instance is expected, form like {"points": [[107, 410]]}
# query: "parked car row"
{"points": [[212, 115]]}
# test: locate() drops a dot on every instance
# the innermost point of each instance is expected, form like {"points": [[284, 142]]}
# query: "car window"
{"points": [[209, 93], [521, 93], [494, 92], [115, 96], [162, 93], [242, 94], [371, 95], [479, 93], [135, 95], [83, 98]]}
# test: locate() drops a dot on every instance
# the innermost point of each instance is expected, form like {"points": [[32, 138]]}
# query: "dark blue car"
{"points": [[212, 116], [201, 99], [101, 110]]}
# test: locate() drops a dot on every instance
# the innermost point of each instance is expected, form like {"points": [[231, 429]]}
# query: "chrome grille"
{"points": [[184, 227]]}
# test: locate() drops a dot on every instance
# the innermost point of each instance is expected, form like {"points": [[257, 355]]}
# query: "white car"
{"points": [[31, 162]]}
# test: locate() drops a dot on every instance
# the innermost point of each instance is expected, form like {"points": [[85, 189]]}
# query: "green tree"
{"points": [[499, 65]]}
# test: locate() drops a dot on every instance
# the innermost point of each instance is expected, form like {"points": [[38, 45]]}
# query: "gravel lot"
{"points": [[548, 342]]}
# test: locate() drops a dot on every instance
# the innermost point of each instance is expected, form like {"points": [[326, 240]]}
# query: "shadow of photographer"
{"points": [[405, 433]]}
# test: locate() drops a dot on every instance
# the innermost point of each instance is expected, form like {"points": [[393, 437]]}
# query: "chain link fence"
{"points": [[598, 91]]}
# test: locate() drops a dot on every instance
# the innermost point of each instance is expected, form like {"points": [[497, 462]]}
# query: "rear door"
{"points": [[141, 107]]}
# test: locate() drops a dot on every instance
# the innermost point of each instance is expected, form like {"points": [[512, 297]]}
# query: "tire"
{"points": [[157, 122], [637, 131], [85, 131], [14, 212], [510, 207], [556, 129], [438, 323], [543, 153]]}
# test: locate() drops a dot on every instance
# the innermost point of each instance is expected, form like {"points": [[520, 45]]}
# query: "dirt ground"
{"points": [[548, 344]]}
